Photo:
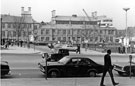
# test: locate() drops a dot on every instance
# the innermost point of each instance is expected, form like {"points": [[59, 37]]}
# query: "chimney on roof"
{"points": [[29, 8], [22, 8], [53, 13]]}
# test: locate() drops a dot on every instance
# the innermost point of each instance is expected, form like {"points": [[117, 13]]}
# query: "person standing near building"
{"points": [[108, 68]]}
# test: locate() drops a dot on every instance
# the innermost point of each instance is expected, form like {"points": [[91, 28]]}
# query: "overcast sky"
{"points": [[41, 9]]}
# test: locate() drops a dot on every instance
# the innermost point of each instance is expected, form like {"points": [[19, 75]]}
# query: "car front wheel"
{"points": [[54, 74], [92, 74]]}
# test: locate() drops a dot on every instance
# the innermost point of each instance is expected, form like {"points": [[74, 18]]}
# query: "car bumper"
{"points": [[5, 72], [41, 67], [119, 68]]}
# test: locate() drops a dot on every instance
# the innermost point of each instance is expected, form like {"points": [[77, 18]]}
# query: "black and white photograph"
{"points": [[67, 43]]}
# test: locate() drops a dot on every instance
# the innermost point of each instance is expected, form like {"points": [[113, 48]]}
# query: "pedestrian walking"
{"points": [[78, 49], [108, 68], [6, 45], [123, 50], [21, 43], [119, 49], [50, 46]]}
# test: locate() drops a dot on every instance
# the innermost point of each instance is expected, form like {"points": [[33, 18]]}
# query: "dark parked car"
{"points": [[125, 70], [57, 56], [72, 66], [4, 68]]}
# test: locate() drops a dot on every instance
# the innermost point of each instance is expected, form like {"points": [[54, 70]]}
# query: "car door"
{"points": [[72, 67], [84, 66]]}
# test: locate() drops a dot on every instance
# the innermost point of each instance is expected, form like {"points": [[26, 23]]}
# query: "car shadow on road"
{"points": [[124, 75], [97, 76]]}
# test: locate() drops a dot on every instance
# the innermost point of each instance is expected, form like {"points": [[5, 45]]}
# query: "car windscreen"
{"points": [[64, 60]]}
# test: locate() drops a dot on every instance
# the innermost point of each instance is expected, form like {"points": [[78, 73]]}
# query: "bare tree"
{"points": [[89, 33], [94, 24], [19, 27]]}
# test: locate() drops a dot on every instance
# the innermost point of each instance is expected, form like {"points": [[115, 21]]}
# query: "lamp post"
{"points": [[126, 9]]}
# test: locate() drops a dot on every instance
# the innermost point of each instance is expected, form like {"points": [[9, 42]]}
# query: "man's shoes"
{"points": [[102, 85], [115, 84]]}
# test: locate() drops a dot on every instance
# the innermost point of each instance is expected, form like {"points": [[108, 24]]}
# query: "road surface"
{"points": [[26, 65]]}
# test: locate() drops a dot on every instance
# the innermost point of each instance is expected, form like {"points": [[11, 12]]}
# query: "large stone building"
{"points": [[18, 27], [126, 39], [131, 32], [78, 29]]}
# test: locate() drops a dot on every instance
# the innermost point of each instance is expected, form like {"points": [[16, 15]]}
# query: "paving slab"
{"points": [[124, 81], [20, 50]]}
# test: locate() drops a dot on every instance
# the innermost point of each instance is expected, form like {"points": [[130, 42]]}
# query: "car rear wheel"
{"points": [[92, 74], [54, 74], [134, 73]]}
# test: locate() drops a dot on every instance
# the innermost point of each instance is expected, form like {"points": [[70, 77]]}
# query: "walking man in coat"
{"points": [[108, 68]]}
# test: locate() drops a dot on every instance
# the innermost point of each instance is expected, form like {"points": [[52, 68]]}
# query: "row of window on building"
{"points": [[14, 34], [16, 25], [77, 22], [76, 39], [74, 31]]}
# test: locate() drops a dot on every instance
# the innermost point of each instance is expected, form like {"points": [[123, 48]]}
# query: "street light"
{"points": [[126, 9]]}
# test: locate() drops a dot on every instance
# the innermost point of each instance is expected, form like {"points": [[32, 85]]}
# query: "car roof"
{"points": [[78, 56], [4, 63]]}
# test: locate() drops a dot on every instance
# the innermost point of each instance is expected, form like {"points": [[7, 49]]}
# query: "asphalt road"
{"points": [[26, 65], [25, 71]]}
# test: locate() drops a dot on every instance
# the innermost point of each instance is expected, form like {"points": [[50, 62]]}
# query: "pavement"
{"points": [[93, 52], [124, 81], [19, 50], [25, 50]]}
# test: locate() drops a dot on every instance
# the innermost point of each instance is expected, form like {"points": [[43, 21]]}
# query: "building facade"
{"points": [[18, 27], [77, 29], [131, 33], [121, 36]]}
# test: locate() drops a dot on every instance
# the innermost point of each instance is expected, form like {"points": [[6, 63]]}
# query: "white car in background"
{"points": [[57, 45], [69, 47]]}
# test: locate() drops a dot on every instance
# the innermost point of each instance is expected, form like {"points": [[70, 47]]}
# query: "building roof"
{"points": [[9, 18], [12, 19], [80, 18], [73, 18]]}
